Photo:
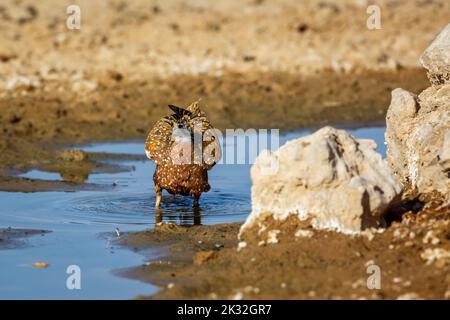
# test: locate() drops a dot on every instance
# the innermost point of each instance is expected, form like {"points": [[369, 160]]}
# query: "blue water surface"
{"points": [[83, 224]]}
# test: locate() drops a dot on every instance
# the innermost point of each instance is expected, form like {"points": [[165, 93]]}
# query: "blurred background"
{"points": [[255, 63]]}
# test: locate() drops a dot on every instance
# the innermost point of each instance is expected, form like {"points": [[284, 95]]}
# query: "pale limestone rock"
{"points": [[418, 128], [417, 147], [436, 58], [329, 179]]}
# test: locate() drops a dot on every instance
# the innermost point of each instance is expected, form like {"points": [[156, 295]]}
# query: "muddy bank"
{"points": [[202, 262], [73, 166], [14, 238], [283, 64], [35, 126]]}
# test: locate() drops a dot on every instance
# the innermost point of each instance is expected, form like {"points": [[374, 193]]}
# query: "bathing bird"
{"points": [[184, 147]]}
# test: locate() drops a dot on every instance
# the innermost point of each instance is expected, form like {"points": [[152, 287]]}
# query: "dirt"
{"points": [[203, 262], [14, 238]]}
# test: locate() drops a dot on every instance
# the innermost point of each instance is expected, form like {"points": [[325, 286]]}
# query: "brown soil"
{"points": [[202, 262]]}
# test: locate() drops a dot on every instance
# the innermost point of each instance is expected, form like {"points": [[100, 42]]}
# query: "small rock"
{"points": [[21, 83], [430, 238], [72, 155], [397, 280], [368, 233], [241, 245], [407, 283], [369, 263], [115, 75], [409, 296], [251, 289], [311, 293], [409, 244], [437, 256], [237, 296], [40, 265], [304, 233], [272, 236], [436, 58], [203, 256]]}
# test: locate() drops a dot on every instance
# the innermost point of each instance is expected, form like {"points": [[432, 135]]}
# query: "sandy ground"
{"points": [[264, 64]]}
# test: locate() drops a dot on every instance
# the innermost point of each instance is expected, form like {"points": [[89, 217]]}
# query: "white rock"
{"points": [[436, 58], [418, 128], [418, 139], [329, 178], [409, 296], [304, 233], [433, 255], [272, 237], [22, 83]]}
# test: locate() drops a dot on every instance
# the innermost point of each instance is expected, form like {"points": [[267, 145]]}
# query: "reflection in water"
{"points": [[75, 177], [194, 217]]}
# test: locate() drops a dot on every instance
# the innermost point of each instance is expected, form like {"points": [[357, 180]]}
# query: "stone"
{"points": [[72, 155], [436, 58], [417, 150], [418, 140], [329, 179], [204, 256], [418, 127]]}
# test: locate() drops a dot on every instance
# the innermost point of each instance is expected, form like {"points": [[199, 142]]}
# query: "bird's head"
{"points": [[185, 122]]}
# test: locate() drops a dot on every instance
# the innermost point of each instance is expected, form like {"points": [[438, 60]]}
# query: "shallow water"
{"points": [[83, 224]]}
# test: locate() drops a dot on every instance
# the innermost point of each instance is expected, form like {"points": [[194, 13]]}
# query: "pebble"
{"points": [[430, 238], [40, 265], [272, 236], [238, 296], [397, 280], [409, 296], [304, 233], [368, 263], [241, 245]]}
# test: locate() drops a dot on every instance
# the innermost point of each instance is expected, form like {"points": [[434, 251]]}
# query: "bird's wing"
{"points": [[214, 153], [211, 146], [157, 146], [194, 107]]}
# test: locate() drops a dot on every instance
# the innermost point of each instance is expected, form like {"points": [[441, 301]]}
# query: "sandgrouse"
{"points": [[183, 147]]}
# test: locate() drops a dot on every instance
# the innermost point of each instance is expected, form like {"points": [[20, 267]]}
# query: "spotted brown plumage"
{"points": [[170, 144]]}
